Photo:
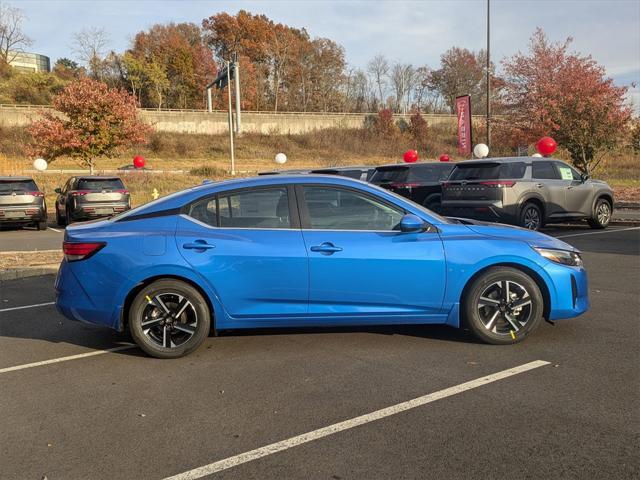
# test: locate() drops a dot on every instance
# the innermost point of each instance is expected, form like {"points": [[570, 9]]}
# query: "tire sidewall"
{"points": [[472, 295], [169, 286], [526, 207], [594, 220]]}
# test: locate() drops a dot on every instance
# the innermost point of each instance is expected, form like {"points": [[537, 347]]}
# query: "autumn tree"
{"points": [[91, 121], [91, 47], [378, 68], [551, 91]]}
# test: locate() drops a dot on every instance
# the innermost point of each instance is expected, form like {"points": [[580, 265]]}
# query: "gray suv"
{"points": [[525, 191], [22, 203], [84, 198]]}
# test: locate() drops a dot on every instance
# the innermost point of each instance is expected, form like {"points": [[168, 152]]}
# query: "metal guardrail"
{"points": [[251, 112]]}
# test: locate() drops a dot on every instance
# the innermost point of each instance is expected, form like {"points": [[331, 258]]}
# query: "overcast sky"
{"points": [[416, 31]]}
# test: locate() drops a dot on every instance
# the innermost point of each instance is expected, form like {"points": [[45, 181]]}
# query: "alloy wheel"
{"points": [[504, 307], [531, 218], [603, 213], [169, 320]]}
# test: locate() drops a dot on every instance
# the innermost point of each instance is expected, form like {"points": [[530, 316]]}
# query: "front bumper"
{"points": [[571, 295]]}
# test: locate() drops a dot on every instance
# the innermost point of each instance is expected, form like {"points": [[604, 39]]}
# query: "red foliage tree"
{"points": [[418, 127], [91, 121], [383, 125], [550, 91]]}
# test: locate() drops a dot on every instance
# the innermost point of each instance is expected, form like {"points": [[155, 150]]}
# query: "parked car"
{"points": [[22, 203], [419, 182], [355, 172], [293, 171], [308, 250], [526, 191], [84, 198], [132, 168]]}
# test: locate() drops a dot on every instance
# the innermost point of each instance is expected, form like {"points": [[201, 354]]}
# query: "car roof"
{"points": [[342, 168], [402, 166], [97, 177], [17, 179], [503, 160]]}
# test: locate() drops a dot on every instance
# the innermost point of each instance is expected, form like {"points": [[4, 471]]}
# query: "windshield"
{"points": [[100, 184], [10, 186], [488, 171]]}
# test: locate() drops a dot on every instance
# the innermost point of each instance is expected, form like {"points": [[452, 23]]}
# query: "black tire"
{"points": [[59, 220], [530, 216], [42, 225], [433, 203], [68, 217], [602, 213], [508, 325], [158, 339]]}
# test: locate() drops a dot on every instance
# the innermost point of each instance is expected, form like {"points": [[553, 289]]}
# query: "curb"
{"points": [[17, 273], [626, 222]]}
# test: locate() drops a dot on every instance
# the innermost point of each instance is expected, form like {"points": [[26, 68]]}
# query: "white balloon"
{"points": [[481, 150], [40, 164], [281, 159], [537, 155]]}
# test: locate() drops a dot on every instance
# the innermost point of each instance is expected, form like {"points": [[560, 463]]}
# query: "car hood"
{"points": [[509, 232]]}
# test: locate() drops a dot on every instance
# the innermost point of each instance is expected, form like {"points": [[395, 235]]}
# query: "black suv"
{"points": [[525, 191], [420, 182], [84, 198], [22, 203]]}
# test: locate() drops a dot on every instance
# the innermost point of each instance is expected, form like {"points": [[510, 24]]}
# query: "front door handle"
{"points": [[198, 245], [326, 248], [539, 185]]}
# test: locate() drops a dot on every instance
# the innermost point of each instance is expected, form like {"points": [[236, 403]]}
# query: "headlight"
{"points": [[564, 257]]}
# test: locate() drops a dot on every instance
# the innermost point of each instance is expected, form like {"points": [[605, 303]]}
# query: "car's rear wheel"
{"points": [[42, 225], [503, 306], [169, 319], [68, 217], [601, 214], [531, 216], [59, 220]]}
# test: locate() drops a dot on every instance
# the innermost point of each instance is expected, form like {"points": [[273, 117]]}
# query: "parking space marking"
{"points": [[599, 233], [351, 423], [65, 359], [55, 229], [36, 305]]}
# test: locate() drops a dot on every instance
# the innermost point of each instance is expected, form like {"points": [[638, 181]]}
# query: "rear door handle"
{"points": [[198, 245], [326, 248], [539, 185]]}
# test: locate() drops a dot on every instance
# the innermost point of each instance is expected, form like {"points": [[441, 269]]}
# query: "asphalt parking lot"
{"points": [[74, 409]]}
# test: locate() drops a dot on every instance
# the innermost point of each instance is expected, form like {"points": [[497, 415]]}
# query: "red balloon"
{"points": [[138, 161], [546, 146], [410, 156], [444, 157]]}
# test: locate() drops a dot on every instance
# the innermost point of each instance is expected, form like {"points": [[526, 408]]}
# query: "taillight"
{"points": [[122, 191], [79, 193], [80, 251], [499, 183], [36, 194]]}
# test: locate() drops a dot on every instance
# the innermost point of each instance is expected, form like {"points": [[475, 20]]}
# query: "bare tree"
{"points": [[12, 38], [378, 68], [402, 77], [90, 45]]}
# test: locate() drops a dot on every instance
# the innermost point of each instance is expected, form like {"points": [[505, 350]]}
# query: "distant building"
{"points": [[30, 62]]}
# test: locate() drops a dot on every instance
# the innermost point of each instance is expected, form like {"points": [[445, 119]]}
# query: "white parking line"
{"points": [[55, 230], [64, 359], [36, 305], [598, 233], [347, 424]]}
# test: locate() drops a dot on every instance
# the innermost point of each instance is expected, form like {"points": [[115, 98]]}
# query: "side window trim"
{"points": [[305, 221]]}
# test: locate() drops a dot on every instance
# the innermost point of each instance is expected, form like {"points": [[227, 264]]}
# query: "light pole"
{"points": [[488, 82]]}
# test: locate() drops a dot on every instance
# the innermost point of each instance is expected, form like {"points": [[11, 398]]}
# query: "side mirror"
{"points": [[411, 223], [584, 177], [58, 190]]}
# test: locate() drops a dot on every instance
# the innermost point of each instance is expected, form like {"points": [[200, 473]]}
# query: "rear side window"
{"points": [[544, 170], [489, 171], [389, 175], [566, 172], [262, 208], [100, 184], [11, 186]]}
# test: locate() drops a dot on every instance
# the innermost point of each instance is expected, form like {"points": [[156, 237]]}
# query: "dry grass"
{"points": [[28, 259]]}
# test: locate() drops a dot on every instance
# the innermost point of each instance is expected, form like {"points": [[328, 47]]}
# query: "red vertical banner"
{"points": [[463, 110]]}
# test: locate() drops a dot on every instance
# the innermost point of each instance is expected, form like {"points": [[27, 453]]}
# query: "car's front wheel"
{"points": [[601, 214], [503, 306], [169, 319]]}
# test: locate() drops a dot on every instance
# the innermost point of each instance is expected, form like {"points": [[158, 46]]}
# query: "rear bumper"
{"points": [[98, 210], [22, 214], [487, 210]]}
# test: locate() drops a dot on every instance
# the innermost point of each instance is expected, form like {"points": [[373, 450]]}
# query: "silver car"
{"points": [[525, 191], [22, 203], [85, 198]]}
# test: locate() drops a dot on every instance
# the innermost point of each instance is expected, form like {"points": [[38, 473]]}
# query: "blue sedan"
{"points": [[285, 251]]}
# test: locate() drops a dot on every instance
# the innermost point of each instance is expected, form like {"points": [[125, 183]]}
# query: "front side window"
{"points": [[340, 209]]}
